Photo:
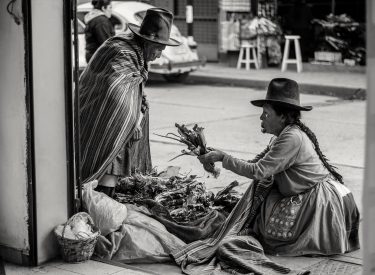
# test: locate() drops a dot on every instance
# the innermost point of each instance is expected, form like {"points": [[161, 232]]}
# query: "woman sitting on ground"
{"points": [[308, 210]]}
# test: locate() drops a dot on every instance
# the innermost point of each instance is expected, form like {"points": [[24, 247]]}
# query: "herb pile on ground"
{"points": [[185, 198]]}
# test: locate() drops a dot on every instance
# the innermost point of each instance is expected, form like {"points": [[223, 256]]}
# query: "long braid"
{"points": [[323, 158]]}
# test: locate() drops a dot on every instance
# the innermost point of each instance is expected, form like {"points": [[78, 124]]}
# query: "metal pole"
{"points": [[254, 7], [69, 110], [333, 7], [30, 135], [77, 147], [368, 195], [189, 22]]}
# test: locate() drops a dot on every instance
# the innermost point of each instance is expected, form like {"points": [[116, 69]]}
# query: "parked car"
{"points": [[175, 63]]}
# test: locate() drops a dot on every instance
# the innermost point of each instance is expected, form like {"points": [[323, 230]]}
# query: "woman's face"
{"points": [[152, 50], [108, 10], [272, 123]]}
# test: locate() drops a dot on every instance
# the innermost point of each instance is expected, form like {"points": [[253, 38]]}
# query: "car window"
{"points": [[81, 27], [81, 16], [139, 16]]}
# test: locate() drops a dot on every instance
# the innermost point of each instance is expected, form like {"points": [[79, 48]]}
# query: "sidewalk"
{"points": [[342, 84], [313, 80]]}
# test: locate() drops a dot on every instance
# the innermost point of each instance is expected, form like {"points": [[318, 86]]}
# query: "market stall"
{"points": [[238, 24], [339, 40], [152, 213]]}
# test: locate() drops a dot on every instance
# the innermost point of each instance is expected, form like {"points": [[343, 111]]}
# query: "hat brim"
{"points": [[171, 42], [261, 102]]}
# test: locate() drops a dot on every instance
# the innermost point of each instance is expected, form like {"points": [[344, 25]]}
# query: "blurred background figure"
{"points": [[298, 22], [98, 26]]}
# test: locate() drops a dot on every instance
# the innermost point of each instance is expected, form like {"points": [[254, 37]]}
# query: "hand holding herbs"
{"points": [[196, 143], [212, 156]]}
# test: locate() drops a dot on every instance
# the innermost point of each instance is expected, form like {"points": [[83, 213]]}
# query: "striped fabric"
{"points": [[208, 256], [110, 94]]}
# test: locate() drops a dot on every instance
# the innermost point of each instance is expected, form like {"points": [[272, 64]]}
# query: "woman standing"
{"points": [[98, 26], [114, 114]]}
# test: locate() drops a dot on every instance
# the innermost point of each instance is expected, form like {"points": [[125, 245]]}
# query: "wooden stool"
{"points": [[252, 58], [286, 59]]}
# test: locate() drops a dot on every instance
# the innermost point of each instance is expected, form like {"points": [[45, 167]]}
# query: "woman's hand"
{"points": [[212, 156], [145, 104], [137, 134]]}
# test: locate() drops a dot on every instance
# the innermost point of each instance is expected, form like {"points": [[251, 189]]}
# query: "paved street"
{"points": [[232, 124]]}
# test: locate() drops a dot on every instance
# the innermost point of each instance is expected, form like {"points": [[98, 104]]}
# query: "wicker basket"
{"points": [[81, 250]]}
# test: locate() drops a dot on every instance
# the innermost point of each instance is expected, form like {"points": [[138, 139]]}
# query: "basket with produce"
{"points": [[77, 238]]}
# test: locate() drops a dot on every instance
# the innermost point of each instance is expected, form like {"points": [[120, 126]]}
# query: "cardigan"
{"points": [[291, 159]]}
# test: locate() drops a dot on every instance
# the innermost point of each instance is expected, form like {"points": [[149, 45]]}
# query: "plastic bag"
{"points": [[78, 227], [68, 234], [81, 229], [141, 239], [108, 214]]}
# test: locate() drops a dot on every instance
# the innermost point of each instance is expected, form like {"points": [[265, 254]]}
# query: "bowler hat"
{"points": [[156, 27], [282, 91]]}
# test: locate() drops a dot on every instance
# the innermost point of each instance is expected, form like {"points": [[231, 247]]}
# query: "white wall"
{"points": [[13, 177], [49, 121], [49, 115], [369, 186]]}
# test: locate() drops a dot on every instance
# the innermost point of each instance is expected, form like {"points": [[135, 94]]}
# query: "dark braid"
{"points": [[292, 116], [323, 158]]}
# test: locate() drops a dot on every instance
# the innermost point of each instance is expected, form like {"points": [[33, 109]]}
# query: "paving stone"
{"points": [[332, 267]]}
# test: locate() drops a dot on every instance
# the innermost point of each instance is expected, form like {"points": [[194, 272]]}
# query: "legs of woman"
{"points": [[107, 184]]}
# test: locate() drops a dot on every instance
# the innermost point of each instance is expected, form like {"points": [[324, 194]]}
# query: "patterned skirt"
{"points": [[321, 221]]}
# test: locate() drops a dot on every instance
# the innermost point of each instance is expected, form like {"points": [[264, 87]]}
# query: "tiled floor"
{"points": [[350, 261], [333, 265], [61, 268]]}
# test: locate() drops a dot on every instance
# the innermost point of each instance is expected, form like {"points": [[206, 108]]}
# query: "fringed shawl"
{"points": [[199, 257], [195, 257], [110, 94]]}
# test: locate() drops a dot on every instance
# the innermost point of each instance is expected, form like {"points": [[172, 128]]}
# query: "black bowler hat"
{"points": [[282, 91], [156, 27]]}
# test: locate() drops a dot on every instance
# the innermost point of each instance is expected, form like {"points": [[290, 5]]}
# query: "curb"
{"points": [[342, 92]]}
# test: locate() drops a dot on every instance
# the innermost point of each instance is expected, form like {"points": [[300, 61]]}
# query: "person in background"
{"points": [[298, 22], [98, 26], [114, 136]]}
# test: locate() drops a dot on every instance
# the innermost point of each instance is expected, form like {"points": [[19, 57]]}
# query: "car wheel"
{"points": [[176, 77]]}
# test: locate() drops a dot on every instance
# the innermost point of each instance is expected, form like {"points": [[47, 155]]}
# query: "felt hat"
{"points": [[282, 91], [156, 27]]}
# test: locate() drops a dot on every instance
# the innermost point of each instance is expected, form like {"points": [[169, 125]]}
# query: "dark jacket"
{"points": [[98, 29]]}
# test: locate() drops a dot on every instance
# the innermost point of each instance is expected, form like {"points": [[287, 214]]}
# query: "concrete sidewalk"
{"points": [[179, 103], [314, 80]]}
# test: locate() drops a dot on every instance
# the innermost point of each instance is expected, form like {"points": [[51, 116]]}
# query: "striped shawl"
{"points": [[200, 258], [110, 94]]}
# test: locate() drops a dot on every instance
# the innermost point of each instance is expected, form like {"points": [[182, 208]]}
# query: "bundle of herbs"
{"points": [[196, 142]]}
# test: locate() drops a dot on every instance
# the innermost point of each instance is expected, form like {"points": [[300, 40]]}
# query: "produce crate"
{"points": [[334, 57]]}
